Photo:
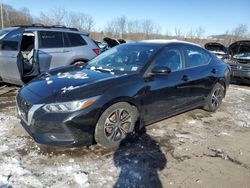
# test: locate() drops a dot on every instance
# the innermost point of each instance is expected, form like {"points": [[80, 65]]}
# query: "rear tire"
{"points": [[215, 98], [114, 123]]}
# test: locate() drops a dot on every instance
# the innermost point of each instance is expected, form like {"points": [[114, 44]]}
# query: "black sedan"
{"points": [[120, 91]]}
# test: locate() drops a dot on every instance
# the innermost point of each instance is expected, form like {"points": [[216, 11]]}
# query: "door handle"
{"points": [[185, 78], [214, 71]]}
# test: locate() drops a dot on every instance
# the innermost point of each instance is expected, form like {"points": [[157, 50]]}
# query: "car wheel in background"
{"points": [[215, 98]]}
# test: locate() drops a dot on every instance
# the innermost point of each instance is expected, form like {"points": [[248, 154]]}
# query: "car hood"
{"points": [[236, 47], [50, 85], [215, 47], [240, 50]]}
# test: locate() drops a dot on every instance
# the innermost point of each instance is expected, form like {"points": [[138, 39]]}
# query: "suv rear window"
{"points": [[75, 39], [50, 39]]}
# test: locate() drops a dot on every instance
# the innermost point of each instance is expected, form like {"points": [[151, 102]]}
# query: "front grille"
{"points": [[240, 67], [23, 107]]}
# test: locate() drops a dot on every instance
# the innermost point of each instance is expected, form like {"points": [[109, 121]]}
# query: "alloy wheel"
{"points": [[117, 125], [217, 97]]}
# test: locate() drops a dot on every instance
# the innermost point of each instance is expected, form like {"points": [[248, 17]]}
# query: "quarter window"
{"points": [[171, 58], [51, 39], [196, 56], [76, 39]]}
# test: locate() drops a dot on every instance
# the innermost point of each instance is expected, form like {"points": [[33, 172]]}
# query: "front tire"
{"points": [[114, 123], [215, 98]]}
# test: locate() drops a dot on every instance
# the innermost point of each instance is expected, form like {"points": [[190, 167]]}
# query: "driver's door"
{"points": [[10, 57], [166, 94]]}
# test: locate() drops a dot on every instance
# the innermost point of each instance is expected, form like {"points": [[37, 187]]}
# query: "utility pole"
{"points": [[2, 14]]}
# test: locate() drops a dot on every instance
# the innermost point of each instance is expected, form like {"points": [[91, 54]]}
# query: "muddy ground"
{"points": [[194, 149]]}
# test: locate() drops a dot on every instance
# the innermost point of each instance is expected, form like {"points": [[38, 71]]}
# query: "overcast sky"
{"points": [[215, 16]]}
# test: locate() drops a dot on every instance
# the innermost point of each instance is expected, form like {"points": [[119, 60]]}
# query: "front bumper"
{"points": [[64, 129], [240, 76], [240, 73]]}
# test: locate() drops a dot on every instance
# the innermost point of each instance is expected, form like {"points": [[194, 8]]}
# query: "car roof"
{"points": [[163, 41], [56, 29], [59, 28]]}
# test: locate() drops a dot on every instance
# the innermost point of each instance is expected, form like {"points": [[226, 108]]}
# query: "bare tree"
{"points": [[122, 24], [190, 34], [178, 33], [240, 31], [56, 16], [12, 16], [117, 27], [200, 31], [81, 21]]}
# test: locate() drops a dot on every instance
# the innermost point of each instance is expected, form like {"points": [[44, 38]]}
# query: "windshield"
{"points": [[3, 32], [243, 52], [123, 59]]}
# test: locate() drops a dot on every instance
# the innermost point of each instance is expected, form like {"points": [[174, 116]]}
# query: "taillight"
{"points": [[97, 51]]}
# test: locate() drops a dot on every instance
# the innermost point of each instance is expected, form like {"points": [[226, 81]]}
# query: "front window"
{"points": [[12, 40], [123, 59], [4, 32], [171, 58]]}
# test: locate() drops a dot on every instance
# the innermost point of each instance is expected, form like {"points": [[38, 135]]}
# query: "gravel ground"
{"points": [[194, 149]]}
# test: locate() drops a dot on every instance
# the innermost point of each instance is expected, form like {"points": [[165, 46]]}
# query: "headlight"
{"points": [[69, 106]]}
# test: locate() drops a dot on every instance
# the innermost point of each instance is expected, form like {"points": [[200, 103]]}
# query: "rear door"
{"points": [[199, 74], [10, 57], [75, 47], [51, 51]]}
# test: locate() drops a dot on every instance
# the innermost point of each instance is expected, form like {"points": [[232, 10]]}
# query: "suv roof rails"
{"points": [[45, 26]]}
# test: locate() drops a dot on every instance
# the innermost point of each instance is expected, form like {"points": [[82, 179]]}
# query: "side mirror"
{"points": [[161, 70]]}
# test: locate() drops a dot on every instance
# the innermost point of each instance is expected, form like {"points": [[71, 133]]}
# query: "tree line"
{"points": [[119, 27]]}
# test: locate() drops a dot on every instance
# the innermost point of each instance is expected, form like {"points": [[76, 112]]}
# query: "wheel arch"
{"points": [[79, 59], [128, 100]]}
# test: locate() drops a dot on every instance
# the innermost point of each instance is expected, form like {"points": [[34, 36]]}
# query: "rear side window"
{"points": [[75, 39], [50, 39], [196, 56], [11, 41]]}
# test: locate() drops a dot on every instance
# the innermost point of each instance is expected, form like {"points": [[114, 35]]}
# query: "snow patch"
{"points": [[191, 122], [81, 179], [75, 75], [70, 88]]}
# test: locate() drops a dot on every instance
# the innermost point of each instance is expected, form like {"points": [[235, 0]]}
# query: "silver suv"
{"points": [[27, 51]]}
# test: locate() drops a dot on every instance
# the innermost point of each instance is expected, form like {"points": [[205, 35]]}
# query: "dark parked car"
{"points": [[119, 91], [240, 61], [217, 49]]}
